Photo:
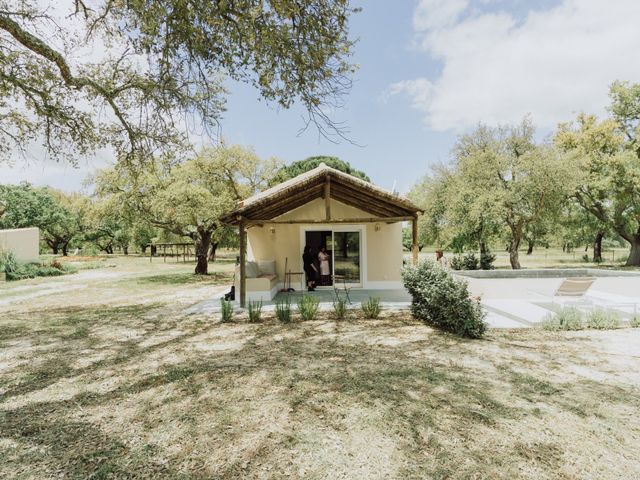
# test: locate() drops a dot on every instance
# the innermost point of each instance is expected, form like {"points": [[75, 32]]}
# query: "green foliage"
{"points": [[499, 182], [442, 301], [486, 260], [255, 311], [471, 262], [163, 64], [606, 158], [457, 262], [603, 319], [568, 318], [301, 166], [340, 308], [226, 310], [371, 308], [308, 307], [8, 262], [16, 270], [635, 322], [283, 310], [188, 199], [58, 215]]}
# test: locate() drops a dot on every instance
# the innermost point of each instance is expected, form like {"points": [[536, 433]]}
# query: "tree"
{"points": [[502, 175], [143, 235], [301, 166], [110, 225], [188, 199], [431, 194], [58, 215], [71, 221], [160, 64], [606, 156]]}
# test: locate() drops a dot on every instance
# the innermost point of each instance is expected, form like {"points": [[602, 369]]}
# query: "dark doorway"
{"points": [[316, 239]]}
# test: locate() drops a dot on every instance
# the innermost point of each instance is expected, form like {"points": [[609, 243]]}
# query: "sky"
{"points": [[430, 70]]}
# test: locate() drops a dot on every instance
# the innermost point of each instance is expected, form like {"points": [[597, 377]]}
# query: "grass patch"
{"points": [[186, 279]]}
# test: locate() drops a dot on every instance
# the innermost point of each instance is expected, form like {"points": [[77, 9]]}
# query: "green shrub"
{"points": [[568, 318], [8, 262], [308, 306], [255, 311], [16, 270], [470, 262], [371, 308], [486, 260], [457, 263], [442, 301], [283, 310], [603, 319], [340, 308], [635, 322], [226, 308]]}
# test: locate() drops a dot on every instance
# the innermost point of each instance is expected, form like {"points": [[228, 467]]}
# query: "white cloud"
{"points": [[431, 14], [496, 68]]}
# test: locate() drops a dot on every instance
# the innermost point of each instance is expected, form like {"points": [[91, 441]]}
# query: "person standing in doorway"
{"points": [[309, 268], [441, 259], [325, 270]]}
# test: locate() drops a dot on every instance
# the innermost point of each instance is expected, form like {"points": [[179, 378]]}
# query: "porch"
{"points": [[390, 299], [393, 299]]}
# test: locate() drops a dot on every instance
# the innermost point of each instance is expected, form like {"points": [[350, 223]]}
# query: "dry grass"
{"points": [[547, 257], [140, 390]]}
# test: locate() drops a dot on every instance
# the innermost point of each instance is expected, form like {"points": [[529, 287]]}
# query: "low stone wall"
{"points": [[547, 273]]}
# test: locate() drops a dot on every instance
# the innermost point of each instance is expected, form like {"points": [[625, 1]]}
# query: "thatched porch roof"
{"points": [[323, 182]]}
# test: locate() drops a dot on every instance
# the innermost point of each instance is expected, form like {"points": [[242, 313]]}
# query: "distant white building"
{"points": [[23, 242]]}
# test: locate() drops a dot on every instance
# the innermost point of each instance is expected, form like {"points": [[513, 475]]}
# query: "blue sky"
{"points": [[430, 70]]}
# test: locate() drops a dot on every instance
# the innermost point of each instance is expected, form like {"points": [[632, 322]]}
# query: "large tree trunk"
{"points": [[514, 245], [597, 247], [530, 247], [634, 252], [65, 249], [125, 249], [203, 241], [212, 251], [54, 248], [483, 248], [143, 248]]}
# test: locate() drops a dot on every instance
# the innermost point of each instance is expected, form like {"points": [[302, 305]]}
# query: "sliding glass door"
{"points": [[346, 256], [344, 247]]}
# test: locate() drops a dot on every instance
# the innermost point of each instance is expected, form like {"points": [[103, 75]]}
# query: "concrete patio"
{"points": [[509, 302]]}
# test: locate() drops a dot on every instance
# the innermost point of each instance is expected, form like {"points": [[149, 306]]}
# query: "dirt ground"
{"points": [[104, 375]]}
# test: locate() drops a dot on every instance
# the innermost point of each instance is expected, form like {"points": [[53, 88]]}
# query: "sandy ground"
{"points": [[116, 380]]}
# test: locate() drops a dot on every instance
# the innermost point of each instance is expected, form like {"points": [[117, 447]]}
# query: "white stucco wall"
{"points": [[382, 248], [23, 242]]}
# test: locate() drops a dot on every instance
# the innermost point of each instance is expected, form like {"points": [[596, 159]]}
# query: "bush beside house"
{"points": [[442, 301]]}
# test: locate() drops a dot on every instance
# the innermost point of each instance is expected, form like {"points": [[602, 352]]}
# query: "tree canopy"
{"points": [[499, 182], [188, 199], [606, 157], [83, 75], [301, 166], [60, 216]]}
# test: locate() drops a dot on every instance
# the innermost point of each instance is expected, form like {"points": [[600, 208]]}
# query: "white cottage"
{"points": [[358, 223]]}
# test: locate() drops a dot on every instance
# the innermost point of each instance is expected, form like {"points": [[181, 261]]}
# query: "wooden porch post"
{"points": [[414, 240], [327, 198], [243, 264]]}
